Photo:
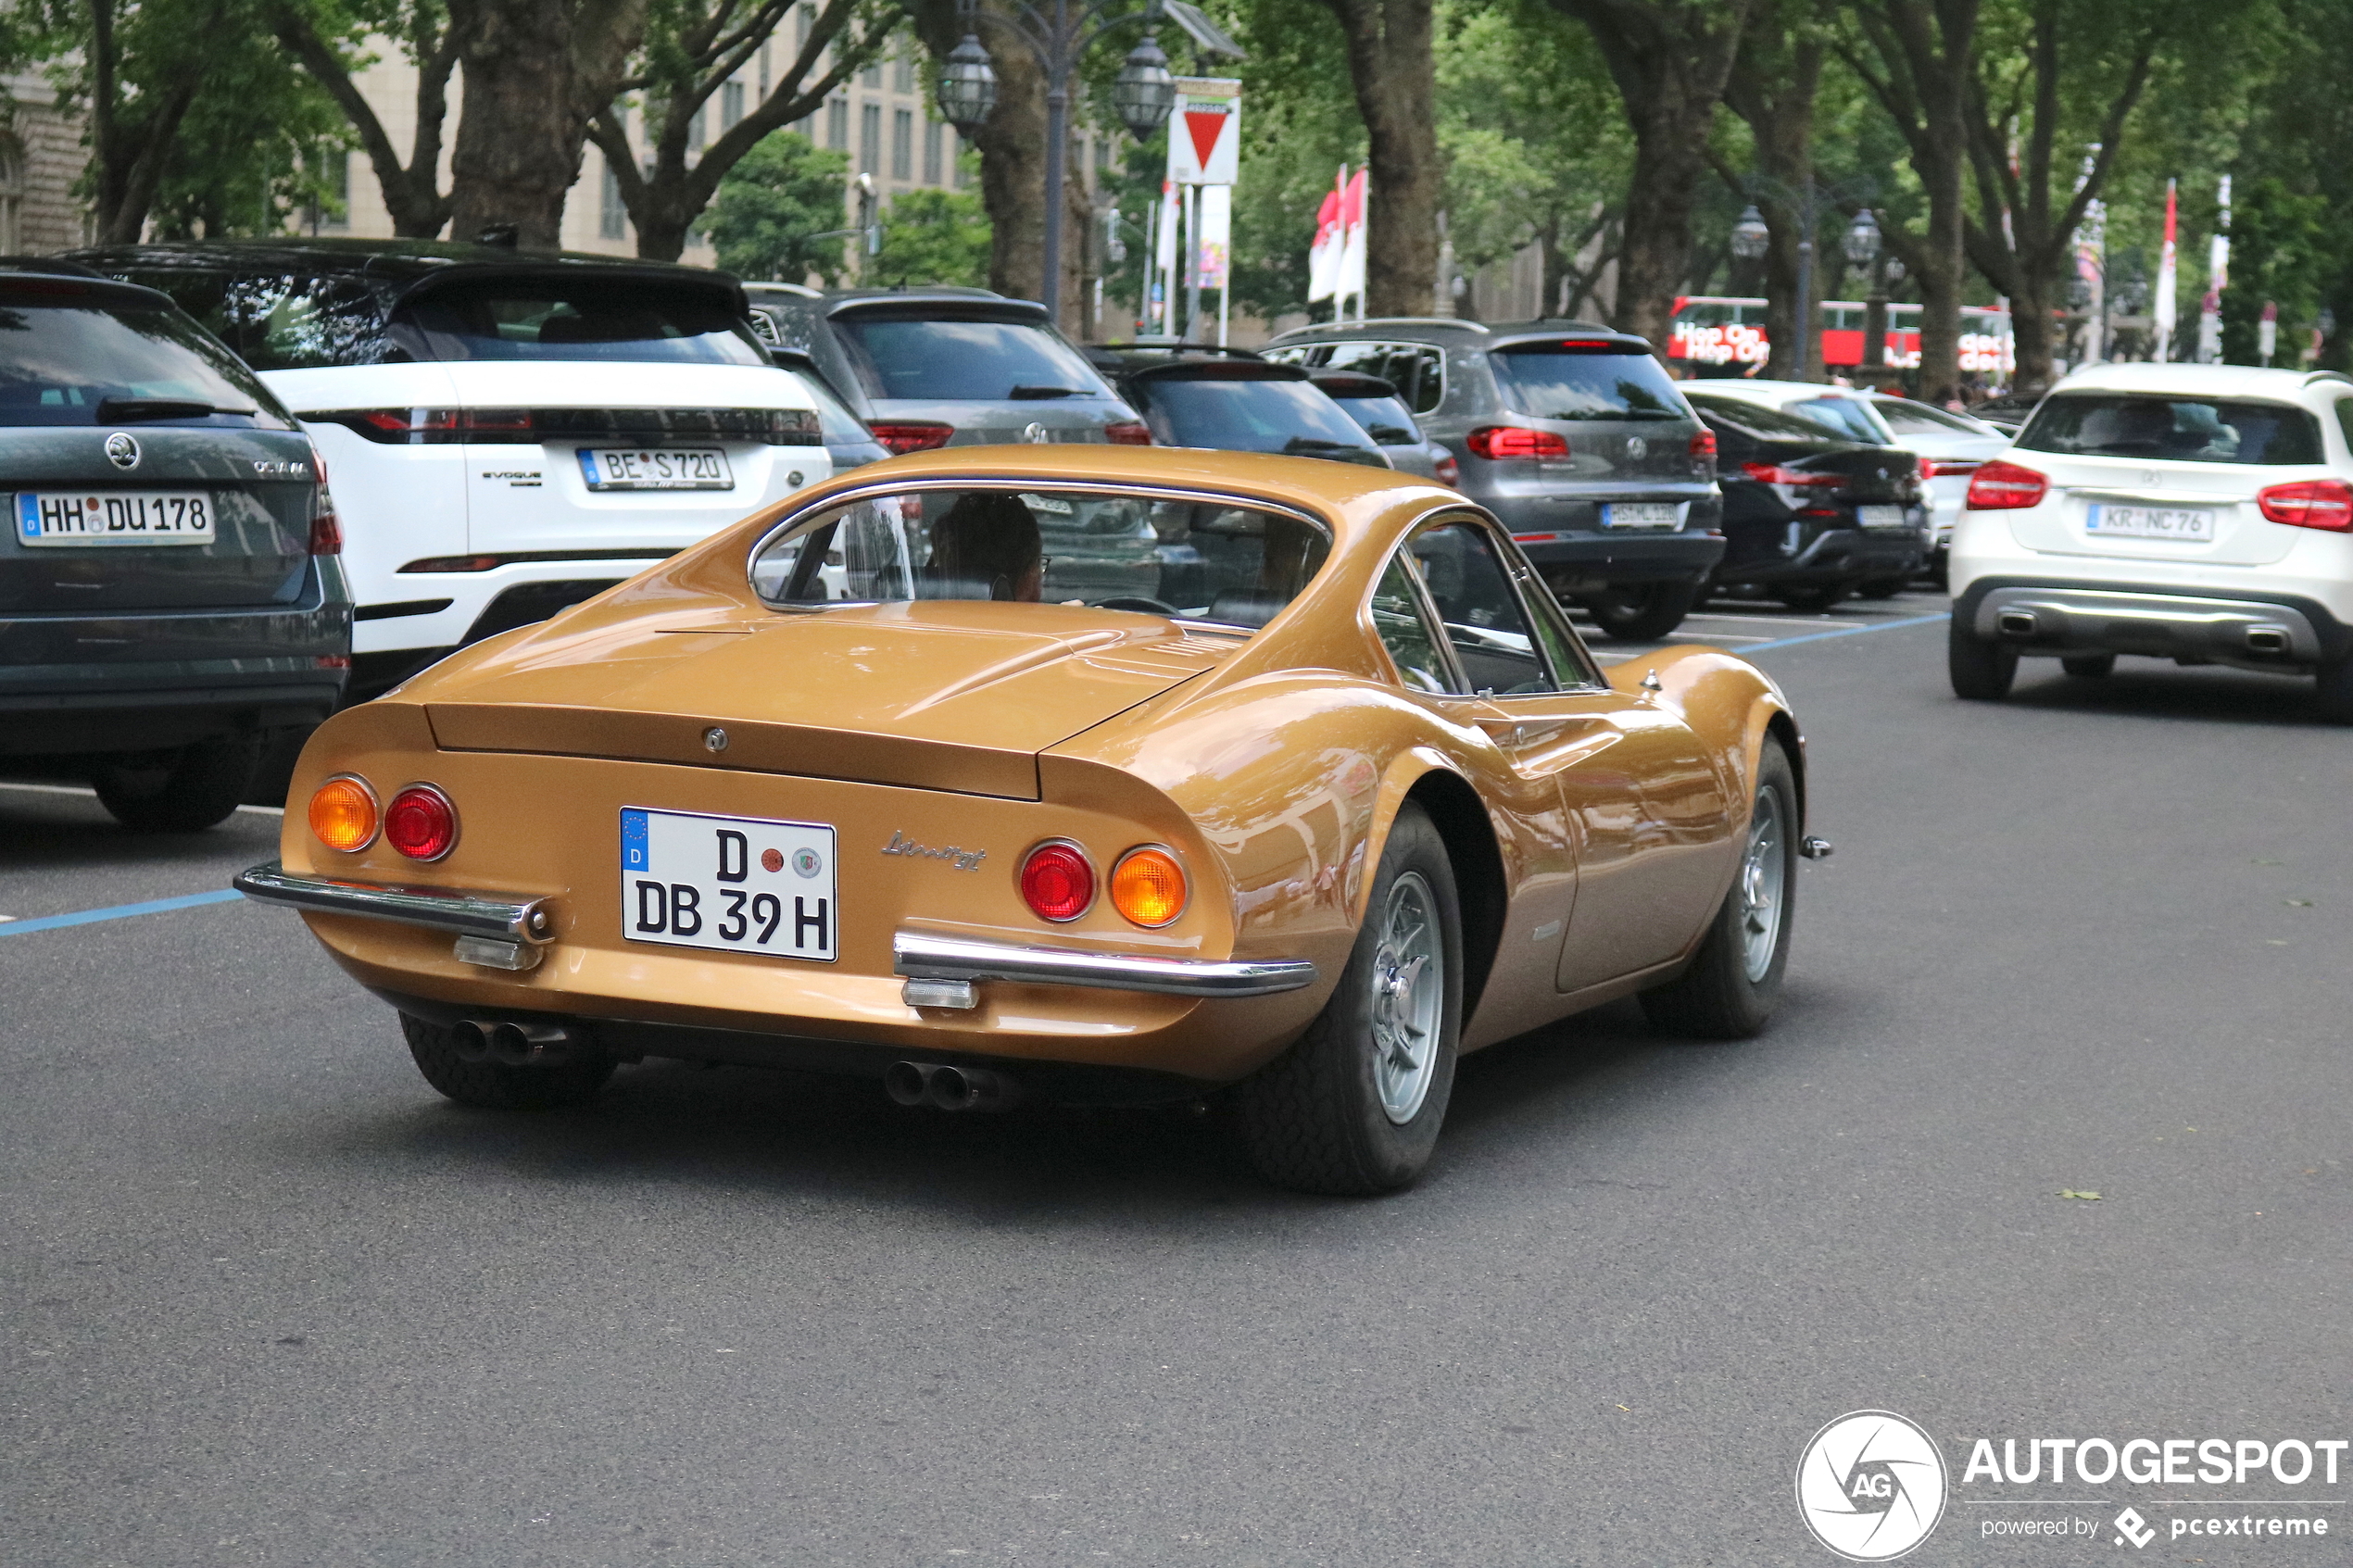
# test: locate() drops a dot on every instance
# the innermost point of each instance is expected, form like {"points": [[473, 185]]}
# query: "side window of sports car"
{"points": [[1486, 623], [1405, 633]]}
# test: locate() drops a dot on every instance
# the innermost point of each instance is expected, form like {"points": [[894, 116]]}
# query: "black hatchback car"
{"points": [[169, 591], [1193, 395], [1809, 519]]}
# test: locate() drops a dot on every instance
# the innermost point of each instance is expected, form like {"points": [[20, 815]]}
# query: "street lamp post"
{"points": [[1751, 237], [1058, 35], [1862, 244]]}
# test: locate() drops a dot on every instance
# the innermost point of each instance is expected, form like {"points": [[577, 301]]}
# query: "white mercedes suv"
{"points": [[507, 434], [2199, 513]]}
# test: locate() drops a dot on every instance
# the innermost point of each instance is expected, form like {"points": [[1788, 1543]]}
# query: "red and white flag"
{"points": [[1323, 255], [1353, 201], [2167, 281]]}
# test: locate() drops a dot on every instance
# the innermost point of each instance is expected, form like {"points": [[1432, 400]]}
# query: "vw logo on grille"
{"points": [[122, 451], [1636, 448], [1037, 434]]}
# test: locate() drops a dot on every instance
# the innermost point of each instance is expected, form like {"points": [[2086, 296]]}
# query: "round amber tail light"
{"points": [[1057, 883], [421, 823], [1148, 885], [343, 814]]}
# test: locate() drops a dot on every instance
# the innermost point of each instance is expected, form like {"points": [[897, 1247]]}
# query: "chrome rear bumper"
{"points": [[921, 956], [497, 917], [2251, 634]]}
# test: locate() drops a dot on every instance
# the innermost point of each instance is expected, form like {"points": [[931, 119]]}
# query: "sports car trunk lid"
{"points": [[937, 695]]}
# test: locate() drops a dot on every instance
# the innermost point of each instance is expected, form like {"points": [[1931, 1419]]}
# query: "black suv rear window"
{"points": [[59, 361], [2182, 430], [582, 317], [1546, 381], [964, 361], [1235, 415]]}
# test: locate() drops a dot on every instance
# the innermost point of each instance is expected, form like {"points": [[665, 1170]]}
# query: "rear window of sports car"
{"points": [[1188, 559]]}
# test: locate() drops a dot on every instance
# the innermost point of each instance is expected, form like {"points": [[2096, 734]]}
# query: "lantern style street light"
{"points": [[1058, 33], [1862, 241], [1752, 236], [1749, 236]]}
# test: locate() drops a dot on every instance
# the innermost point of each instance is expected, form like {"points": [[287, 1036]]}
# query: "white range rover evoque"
{"points": [[2197, 513], [507, 434]]}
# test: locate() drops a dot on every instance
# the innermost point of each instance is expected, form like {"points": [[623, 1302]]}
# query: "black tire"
{"points": [[493, 1085], [1719, 997], [1640, 612], [186, 790], [1313, 1120], [2333, 685], [2089, 666], [1881, 587], [1812, 600], [1981, 672]]}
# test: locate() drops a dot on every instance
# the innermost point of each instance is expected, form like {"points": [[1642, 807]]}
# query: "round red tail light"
{"points": [[1057, 883], [421, 823]]}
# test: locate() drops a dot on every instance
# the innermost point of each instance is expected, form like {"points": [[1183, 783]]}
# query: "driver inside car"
{"points": [[989, 539]]}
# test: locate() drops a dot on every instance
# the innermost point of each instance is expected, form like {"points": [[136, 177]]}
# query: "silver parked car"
{"points": [[946, 367], [1573, 434], [1381, 414]]}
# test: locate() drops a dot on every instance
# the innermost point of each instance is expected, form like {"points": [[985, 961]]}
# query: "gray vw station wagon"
{"points": [[170, 588], [1573, 434]]}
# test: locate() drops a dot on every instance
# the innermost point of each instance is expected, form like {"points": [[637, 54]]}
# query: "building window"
{"points": [[801, 31], [11, 196], [763, 73], [902, 144], [931, 150], [837, 123], [693, 128], [613, 214], [902, 70], [871, 76], [338, 173], [956, 160], [869, 138], [731, 105]]}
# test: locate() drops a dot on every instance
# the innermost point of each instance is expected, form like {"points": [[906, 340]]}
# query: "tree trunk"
{"points": [[1013, 149], [1670, 63], [2036, 333], [412, 194], [1395, 73], [535, 71], [1773, 89]]}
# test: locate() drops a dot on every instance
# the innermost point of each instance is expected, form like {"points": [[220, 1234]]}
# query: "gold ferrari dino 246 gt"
{"points": [[1098, 775]]}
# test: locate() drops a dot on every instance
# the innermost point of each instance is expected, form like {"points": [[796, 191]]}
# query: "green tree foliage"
{"points": [[255, 151], [780, 195], [932, 237]]}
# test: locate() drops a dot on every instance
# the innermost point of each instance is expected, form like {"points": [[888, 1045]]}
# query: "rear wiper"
{"points": [[130, 411], [1318, 443], [1026, 394]]}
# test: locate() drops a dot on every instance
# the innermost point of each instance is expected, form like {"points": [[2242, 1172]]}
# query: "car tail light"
{"points": [[343, 813], [1502, 442], [1703, 445], [1949, 467], [2311, 503], [1770, 473], [326, 534], [902, 436], [455, 563], [441, 427], [2006, 488], [1148, 885], [1129, 433], [421, 823], [1057, 883], [1447, 470]]}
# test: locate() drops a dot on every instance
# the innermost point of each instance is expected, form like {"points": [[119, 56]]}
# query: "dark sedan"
{"points": [[1230, 399], [1807, 519]]}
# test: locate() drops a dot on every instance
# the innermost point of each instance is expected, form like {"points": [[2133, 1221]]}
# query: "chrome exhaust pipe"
{"points": [[531, 1045], [470, 1040], [2271, 642], [2017, 624], [943, 1087]]}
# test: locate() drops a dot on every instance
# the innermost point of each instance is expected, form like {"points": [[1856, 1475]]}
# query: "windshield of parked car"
{"points": [[1204, 559], [1841, 417], [1248, 416], [1381, 417], [931, 360], [1906, 417], [1548, 382], [58, 363], [531, 317], [2185, 430]]}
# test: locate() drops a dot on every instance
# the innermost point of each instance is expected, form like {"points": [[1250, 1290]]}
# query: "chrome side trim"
{"points": [[499, 916], [921, 956]]}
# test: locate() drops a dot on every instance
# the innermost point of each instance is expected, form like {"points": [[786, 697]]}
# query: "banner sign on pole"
{"points": [[1323, 254], [1164, 259], [1353, 201], [1206, 132], [1216, 236]]}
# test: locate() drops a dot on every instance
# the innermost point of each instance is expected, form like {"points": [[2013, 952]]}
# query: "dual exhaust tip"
{"points": [[511, 1043], [944, 1087]]}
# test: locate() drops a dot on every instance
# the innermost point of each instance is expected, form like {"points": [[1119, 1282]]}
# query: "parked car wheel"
{"points": [[2089, 666], [1355, 1106], [494, 1085], [1812, 600], [1730, 988], [1881, 587], [185, 790], [1981, 672], [1642, 612], [2333, 683]]}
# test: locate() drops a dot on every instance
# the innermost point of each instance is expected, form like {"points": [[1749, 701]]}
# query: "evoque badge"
{"points": [[122, 451]]}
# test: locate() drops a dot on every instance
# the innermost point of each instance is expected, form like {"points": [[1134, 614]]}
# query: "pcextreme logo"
{"points": [[1871, 1485]]}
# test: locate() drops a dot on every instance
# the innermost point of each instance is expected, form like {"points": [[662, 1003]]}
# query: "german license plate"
{"points": [[1881, 517], [2190, 525], [729, 884], [657, 468], [1642, 514], [114, 516]]}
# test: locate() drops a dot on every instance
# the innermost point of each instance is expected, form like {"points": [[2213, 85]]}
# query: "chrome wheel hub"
{"points": [[1409, 998], [1763, 887]]}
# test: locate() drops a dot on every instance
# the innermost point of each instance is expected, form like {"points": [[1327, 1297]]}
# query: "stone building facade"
{"points": [[41, 158]]}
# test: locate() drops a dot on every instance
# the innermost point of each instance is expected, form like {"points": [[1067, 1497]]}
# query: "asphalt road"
{"points": [[269, 1299]]}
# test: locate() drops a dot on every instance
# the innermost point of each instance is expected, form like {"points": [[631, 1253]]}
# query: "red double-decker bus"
{"points": [[1718, 330]]}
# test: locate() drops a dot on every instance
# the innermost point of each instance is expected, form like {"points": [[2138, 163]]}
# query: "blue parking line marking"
{"points": [[1842, 632], [116, 912]]}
